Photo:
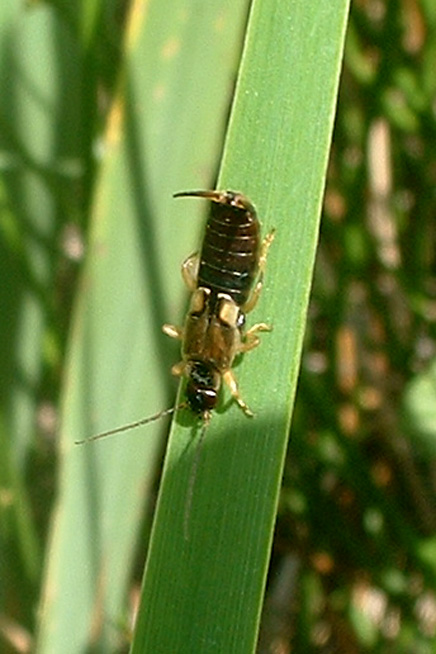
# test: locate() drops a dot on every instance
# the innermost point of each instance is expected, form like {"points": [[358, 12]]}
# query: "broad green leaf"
{"points": [[160, 139]]}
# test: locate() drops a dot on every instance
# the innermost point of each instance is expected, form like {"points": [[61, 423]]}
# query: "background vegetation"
{"points": [[354, 556]]}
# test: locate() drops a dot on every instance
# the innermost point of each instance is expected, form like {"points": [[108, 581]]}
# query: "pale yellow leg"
{"points": [[254, 297], [172, 331], [190, 271], [266, 243], [178, 369], [251, 339], [231, 382]]}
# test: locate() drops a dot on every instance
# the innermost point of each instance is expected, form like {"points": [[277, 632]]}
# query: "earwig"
{"points": [[225, 279], [221, 278]]}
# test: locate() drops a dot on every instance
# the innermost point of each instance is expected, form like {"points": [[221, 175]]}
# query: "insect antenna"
{"points": [[192, 478], [132, 425]]}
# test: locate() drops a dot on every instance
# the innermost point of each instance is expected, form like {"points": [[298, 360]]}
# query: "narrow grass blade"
{"points": [[204, 593]]}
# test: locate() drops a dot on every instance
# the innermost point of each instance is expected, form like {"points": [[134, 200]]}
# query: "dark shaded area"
{"points": [[358, 501]]}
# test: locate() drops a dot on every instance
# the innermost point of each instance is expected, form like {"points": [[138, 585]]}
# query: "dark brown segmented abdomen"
{"points": [[230, 252]]}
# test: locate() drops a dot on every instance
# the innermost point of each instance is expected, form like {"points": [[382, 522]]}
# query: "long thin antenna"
{"points": [[192, 478], [132, 425]]}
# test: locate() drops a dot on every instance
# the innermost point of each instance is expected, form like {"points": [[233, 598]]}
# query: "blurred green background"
{"points": [[354, 556]]}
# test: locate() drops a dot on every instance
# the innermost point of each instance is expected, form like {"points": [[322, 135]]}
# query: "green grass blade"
{"points": [[204, 594], [158, 140]]}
